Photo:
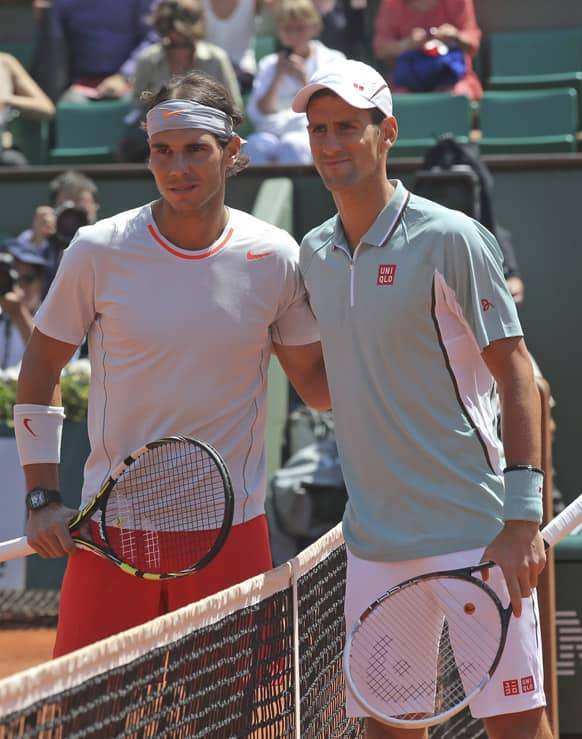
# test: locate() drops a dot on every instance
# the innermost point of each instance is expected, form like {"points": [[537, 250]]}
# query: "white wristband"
{"points": [[38, 430]]}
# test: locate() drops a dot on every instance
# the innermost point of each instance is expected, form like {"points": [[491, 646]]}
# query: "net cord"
{"points": [[63, 673]]}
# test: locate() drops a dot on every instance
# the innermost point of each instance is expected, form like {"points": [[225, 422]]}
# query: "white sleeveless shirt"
{"points": [[235, 34]]}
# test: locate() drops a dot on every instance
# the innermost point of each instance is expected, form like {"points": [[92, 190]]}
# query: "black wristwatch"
{"points": [[38, 498]]}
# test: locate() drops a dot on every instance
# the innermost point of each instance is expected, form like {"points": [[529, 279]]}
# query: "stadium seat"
{"points": [[424, 116], [31, 136], [528, 121], [247, 126], [533, 59], [264, 44], [22, 50], [88, 132]]}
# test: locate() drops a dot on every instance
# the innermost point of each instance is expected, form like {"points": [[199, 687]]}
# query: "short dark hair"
{"points": [[377, 114], [203, 89], [70, 184]]}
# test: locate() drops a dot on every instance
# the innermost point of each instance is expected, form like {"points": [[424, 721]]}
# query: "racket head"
{"points": [[423, 650], [165, 512]]}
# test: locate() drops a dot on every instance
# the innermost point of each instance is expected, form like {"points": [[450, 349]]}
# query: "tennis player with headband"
{"points": [[183, 301], [418, 326]]}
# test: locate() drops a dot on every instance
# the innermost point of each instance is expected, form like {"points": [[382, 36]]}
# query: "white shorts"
{"points": [[517, 683]]}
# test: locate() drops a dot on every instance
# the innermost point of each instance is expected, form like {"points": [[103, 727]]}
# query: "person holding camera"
{"points": [[23, 275], [72, 203], [280, 134]]}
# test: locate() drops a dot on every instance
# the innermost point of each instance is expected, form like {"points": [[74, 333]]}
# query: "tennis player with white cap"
{"points": [[183, 300], [417, 327]]}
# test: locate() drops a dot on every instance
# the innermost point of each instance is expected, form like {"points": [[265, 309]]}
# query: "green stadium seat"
{"points": [[89, 132], [533, 59], [247, 126], [264, 44], [31, 136], [423, 116], [22, 50], [528, 121]]}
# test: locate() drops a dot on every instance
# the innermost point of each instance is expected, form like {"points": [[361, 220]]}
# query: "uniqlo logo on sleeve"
{"points": [[527, 684], [386, 274], [510, 687]]}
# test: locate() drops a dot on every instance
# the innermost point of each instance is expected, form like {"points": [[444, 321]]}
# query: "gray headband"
{"points": [[174, 114]]}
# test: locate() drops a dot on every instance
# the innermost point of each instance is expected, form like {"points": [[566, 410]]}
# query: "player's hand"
{"points": [[519, 551], [47, 530], [44, 224]]}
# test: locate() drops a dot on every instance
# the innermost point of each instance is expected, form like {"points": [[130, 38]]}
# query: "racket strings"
{"points": [[165, 495], [425, 648]]}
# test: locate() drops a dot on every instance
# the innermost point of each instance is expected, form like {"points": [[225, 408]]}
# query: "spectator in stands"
{"points": [[281, 134], [23, 275], [72, 196], [344, 26], [231, 25], [19, 95], [182, 30], [103, 39], [403, 26]]}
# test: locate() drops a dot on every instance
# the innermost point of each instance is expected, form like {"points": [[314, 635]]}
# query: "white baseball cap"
{"points": [[357, 83]]}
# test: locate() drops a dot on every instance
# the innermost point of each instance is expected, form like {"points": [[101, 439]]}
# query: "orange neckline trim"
{"points": [[167, 247]]}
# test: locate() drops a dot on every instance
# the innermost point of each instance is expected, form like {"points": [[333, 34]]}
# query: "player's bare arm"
{"points": [[518, 549], [39, 383], [305, 369]]}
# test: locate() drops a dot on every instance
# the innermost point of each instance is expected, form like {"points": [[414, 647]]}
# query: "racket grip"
{"points": [[563, 523], [15, 548]]}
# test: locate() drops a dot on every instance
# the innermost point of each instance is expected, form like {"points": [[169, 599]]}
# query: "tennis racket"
{"points": [[165, 512], [427, 647]]}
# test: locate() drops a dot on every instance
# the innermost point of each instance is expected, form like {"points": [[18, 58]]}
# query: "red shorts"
{"points": [[99, 600]]}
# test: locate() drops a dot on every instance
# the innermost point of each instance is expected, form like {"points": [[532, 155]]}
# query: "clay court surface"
{"points": [[22, 649]]}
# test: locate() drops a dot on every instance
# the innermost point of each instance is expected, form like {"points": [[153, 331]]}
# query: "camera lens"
{"points": [[70, 218], [8, 274]]}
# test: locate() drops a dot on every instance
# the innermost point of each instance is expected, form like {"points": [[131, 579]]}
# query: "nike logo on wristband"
{"points": [[26, 422]]}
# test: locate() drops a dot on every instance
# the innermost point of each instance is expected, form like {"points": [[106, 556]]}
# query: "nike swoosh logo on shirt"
{"points": [[259, 255], [170, 113]]}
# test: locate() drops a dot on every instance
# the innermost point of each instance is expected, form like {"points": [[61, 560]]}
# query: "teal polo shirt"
{"points": [[403, 322]]}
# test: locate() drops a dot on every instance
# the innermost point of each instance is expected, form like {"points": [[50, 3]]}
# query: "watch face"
{"points": [[37, 497]]}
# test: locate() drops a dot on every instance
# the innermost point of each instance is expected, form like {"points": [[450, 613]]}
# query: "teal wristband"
{"points": [[524, 487]]}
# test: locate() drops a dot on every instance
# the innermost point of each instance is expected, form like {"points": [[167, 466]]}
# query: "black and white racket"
{"points": [[463, 626], [165, 512]]}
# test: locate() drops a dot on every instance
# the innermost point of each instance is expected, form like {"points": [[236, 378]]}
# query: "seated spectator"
{"points": [[281, 134], [19, 95], [403, 26], [182, 29], [72, 202], [345, 26], [102, 39], [23, 274], [231, 25]]}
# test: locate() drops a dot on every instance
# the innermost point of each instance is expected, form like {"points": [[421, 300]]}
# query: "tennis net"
{"points": [[260, 660]]}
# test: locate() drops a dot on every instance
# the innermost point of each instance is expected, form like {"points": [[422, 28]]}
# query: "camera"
{"points": [[8, 275], [70, 218]]}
